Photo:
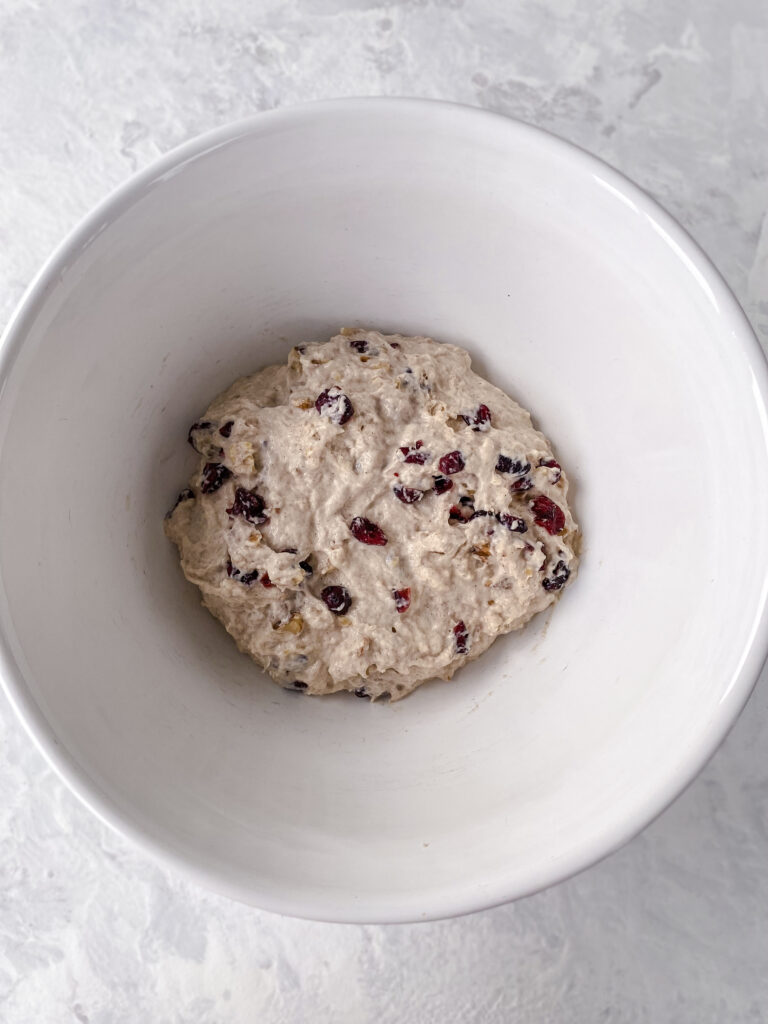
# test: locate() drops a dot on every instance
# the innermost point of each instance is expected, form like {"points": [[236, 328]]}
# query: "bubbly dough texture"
{"points": [[372, 515]]}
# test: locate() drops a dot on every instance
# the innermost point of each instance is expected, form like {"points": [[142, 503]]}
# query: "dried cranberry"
{"points": [[556, 468], [451, 463], [359, 345], [250, 506], [367, 532], [408, 495], [334, 404], [460, 514], [205, 425], [337, 599], [412, 454], [480, 419], [242, 577], [523, 484], [514, 466], [214, 475], [226, 429], [402, 600], [306, 566], [558, 579], [442, 484], [513, 523], [395, 344], [481, 512], [266, 581], [547, 514], [186, 495], [461, 637]]}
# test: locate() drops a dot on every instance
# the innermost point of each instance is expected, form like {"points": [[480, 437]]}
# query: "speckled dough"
{"points": [[372, 515]]}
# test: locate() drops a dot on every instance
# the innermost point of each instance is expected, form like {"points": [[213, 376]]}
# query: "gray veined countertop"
{"points": [[674, 927]]}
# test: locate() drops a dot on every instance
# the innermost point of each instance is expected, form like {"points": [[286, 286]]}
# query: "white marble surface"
{"points": [[673, 928]]}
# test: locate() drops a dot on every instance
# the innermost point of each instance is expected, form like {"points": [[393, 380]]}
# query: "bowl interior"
{"points": [[575, 294]]}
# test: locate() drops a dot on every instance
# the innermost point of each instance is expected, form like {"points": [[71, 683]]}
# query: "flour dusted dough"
{"points": [[332, 529]]}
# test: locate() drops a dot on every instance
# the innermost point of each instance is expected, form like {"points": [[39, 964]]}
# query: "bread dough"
{"points": [[372, 515]]}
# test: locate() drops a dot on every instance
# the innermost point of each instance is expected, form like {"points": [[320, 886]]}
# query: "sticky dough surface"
{"points": [[302, 465]]}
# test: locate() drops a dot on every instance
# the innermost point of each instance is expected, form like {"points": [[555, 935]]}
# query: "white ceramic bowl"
{"points": [[574, 292]]}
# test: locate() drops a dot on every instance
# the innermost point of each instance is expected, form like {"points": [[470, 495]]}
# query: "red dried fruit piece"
{"points": [[480, 419], [266, 581], [242, 577], [337, 599], [408, 495], [461, 636], [402, 600], [412, 454], [186, 495], [226, 429], [504, 464], [460, 514], [367, 532], [442, 484], [359, 345], [513, 523], [558, 579], [334, 405], [547, 514], [523, 484], [556, 468], [213, 476], [451, 463], [250, 506]]}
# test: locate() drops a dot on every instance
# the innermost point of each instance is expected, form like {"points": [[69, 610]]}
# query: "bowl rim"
{"points": [[463, 897]]}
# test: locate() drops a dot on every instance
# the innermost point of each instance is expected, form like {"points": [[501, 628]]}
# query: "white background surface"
{"points": [[672, 928]]}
